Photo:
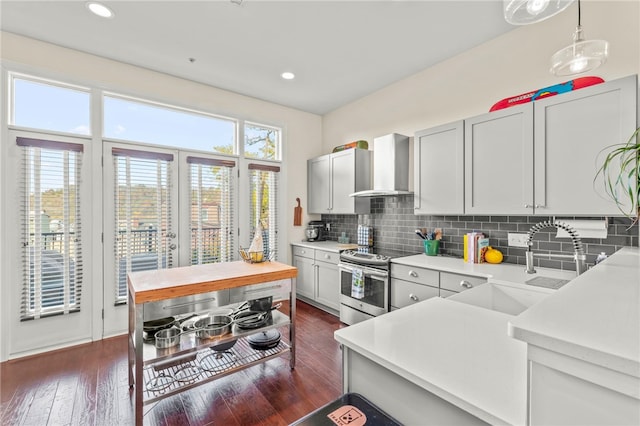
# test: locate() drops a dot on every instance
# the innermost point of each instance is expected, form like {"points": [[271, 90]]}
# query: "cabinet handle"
{"points": [[326, 256], [465, 284], [413, 274], [414, 297], [540, 206], [256, 290], [527, 206]]}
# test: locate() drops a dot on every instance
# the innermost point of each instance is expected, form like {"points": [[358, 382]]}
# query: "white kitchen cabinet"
{"points": [[570, 132], [328, 284], [542, 157], [332, 177], [451, 283], [499, 162], [318, 277], [439, 170], [306, 272], [558, 397], [411, 285], [318, 184]]}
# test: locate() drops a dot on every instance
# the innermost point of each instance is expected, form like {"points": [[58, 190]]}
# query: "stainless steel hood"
{"points": [[390, 167]]}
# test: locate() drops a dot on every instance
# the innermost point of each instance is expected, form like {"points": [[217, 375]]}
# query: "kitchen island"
{"points": [[442, 361], [157, 373]]}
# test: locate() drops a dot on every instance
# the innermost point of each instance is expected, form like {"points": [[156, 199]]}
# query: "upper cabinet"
{"points": [[499, 162], [542, 157], [570, 133], [439, 170], [332, 177]]}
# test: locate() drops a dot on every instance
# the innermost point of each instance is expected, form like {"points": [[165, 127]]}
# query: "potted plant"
{"points": [[620, 171]]}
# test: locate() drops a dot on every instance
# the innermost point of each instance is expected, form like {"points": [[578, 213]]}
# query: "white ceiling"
{"points": [[339, 50]]}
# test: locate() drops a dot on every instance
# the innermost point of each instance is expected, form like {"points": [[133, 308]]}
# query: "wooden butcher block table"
{"points": [[181, 292]]}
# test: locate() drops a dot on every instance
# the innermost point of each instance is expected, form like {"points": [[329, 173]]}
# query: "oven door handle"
{"points": [[367, 272]]}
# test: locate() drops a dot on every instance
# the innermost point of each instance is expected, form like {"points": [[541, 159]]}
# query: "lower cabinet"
{"points": [[318, 277], [411, 285]]}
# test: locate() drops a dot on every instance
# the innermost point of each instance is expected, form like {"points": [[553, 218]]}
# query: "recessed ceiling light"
{"points": [[100, 10], [288, 75]]}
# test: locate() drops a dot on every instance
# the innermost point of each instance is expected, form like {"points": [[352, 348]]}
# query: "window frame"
{"points": [[171, 107], [11, 104]]}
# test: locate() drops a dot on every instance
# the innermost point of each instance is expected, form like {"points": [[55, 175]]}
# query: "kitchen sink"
{"points": [[502, 298]]}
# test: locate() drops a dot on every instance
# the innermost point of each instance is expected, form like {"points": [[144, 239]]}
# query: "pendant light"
{"points": [[581, 56], [523, 12]]}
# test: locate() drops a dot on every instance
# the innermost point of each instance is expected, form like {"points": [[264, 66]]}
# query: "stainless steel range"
{"points": [[372, 267]]}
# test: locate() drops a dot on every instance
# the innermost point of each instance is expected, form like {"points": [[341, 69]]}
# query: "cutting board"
{"points": [[297, 214]]}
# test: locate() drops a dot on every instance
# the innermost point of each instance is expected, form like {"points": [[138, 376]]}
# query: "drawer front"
{"points": [[280, 290], [416, 275], [327, 256], [184, 305], [405, 293], [303, 251], [451, 282]]}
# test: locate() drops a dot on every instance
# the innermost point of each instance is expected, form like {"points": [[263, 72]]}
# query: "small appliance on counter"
{"points": [[316, 231]]}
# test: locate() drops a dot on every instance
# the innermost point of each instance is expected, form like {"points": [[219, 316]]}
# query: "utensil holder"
{"points": [[431, 247]]}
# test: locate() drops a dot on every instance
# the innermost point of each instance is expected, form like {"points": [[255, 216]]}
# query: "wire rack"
{"points": [[160, 382]]}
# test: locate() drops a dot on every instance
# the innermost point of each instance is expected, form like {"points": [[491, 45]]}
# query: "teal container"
{"points": [[431, 247]]}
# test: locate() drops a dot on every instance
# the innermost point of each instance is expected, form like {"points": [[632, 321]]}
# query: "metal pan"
{"points": [[167, 338], [218, 325]]}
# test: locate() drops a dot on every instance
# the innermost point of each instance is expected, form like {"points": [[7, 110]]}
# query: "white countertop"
{"points": [[466, 355], [499, 273], [333, 246], [458, 352], [595, 317]]}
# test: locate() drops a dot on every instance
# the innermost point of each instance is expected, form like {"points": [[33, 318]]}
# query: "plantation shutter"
{"points": [[51, 227], [142, 200], [211, 183], [263, 192]]}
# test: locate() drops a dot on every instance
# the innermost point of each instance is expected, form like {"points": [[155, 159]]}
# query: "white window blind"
{"points": [[263, 204], [211, 207], [51, 227], [142, 199]]}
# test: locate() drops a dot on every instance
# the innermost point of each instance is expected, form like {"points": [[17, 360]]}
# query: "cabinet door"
{"points": [[318, 184], [499, 162], [328, 285], [350, 172], [438, 170], [305, 283], [571, 131]]}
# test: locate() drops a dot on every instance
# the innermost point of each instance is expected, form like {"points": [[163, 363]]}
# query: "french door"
{"points": [[164, 208], [47, 239]]}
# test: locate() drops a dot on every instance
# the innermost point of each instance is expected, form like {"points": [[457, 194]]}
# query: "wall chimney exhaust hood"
{"points": [[390, 167]]}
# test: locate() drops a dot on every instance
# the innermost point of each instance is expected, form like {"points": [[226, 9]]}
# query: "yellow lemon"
{"points": [[493, 256]]}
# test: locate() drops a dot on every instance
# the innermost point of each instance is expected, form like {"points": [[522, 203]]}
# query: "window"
{"points": [[51, 227], [143, 239], [263, 204], [261, 142], [211, 183], [131, 120], [47, 106]]}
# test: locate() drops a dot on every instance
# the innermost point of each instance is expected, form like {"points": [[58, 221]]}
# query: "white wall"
{"points": [[301, 130], [470, 83]]}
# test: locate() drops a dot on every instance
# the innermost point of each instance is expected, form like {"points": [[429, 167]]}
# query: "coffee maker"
{"points": [[316, 231]]}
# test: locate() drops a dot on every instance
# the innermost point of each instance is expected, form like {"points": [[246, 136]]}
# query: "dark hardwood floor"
{"points": [[88, 385]]}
